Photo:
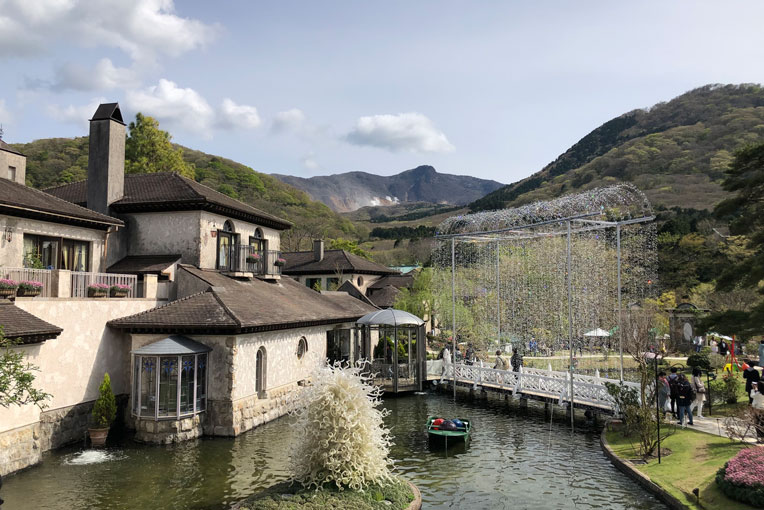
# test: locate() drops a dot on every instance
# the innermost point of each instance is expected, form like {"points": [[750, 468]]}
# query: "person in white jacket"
{"points": [[700, 391]]}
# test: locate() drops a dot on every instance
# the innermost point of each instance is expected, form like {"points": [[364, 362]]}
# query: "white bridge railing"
{"points": [[587, 390]]}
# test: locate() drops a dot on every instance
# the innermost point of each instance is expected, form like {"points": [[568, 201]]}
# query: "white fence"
{"points": [[81, 281], [587, 390], [20, 274]]}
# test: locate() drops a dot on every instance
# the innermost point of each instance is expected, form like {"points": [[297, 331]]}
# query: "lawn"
{"points": [[694, 461]]}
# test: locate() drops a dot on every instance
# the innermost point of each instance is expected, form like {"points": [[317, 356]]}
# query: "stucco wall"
{"points": [[72, 365], [164, 233], [8, 159], [212, 222], [12, 253]]}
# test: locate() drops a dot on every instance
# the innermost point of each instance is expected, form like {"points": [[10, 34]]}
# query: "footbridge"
{"points": [[588, 392]]}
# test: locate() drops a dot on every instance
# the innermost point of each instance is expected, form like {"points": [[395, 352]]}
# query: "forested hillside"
{"points": [[676, 152], [56, 161]]}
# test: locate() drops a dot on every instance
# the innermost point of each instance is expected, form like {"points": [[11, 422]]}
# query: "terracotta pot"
{"points": [[22, 292], [98, 436]]}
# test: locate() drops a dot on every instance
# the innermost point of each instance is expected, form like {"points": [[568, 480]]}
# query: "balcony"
{"points": [[246, 260], [62, 283]]}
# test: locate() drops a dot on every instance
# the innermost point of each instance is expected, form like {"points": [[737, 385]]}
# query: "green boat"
{"points": [[435, 433]]}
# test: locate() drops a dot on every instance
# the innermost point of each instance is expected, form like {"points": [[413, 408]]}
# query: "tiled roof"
{"points": [[334, 261], [385, 297], [165, 191], [19, 200], [18, 323], [246, 305], [4, 146], [399, 281], [350, 288], [143, 264]]}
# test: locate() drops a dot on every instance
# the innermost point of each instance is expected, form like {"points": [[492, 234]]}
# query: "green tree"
{"points": [[105, 408], [349, 246], [420, 298], [744, 211], [17, 377], [148, 150]]}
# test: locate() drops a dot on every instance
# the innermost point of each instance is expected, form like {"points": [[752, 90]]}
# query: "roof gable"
{"points": [[334, 261], [109, 111]]}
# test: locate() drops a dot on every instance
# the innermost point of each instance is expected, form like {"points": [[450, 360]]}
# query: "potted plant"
{"points": [[119, 290], [97, 290], [29, 288], [279, 262], [253, 258], [8, 288], [104, 412]]}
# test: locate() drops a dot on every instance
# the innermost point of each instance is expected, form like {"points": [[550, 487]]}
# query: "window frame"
{"points": [[157, 358]]}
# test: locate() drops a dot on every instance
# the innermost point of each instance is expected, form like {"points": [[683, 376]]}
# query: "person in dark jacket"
{"points": [[516, 360], [469, 356], [723, 347], [751, 375], [673, 379], [684, 399]]}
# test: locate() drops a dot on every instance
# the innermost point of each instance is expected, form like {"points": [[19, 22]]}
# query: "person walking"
{"points": [[664, 391], [757, 397], [469, 356], [723, 347], [501, 363], [700, 391], [673, 380], [751, 375], [685, 396], [516, 360]]}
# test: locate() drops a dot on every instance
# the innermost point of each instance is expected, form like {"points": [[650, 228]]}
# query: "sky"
{"points": [[495, 90]]}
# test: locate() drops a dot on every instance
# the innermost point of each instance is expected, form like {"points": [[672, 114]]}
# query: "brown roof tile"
{"points": [[18, 323], [385, 297], [165, 191], [247, 305], [334, 261], [19, 200], [398, 280]]}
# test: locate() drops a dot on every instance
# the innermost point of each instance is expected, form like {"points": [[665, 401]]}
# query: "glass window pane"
{"points": [[201, 383], [148, 385], [187, 384], [168, 386]]}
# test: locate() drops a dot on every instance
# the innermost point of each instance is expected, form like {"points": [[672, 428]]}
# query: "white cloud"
{"points": [[310, 162], [241, 116], [141, 28], [411, 132], [181, 107], [79, 115], [104, 76], [293, 120]]}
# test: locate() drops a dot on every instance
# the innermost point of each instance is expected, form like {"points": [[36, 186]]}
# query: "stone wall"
{"points": [[167, 431], [19, 448], [227, 418]]}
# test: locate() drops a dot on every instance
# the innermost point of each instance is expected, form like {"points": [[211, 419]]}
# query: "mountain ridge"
{"points": [[349, 191]]}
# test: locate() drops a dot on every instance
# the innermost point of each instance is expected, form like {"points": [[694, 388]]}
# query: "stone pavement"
{"points": [[716, 425]]}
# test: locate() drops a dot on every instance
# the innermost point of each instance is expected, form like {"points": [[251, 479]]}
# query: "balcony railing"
{"points": [[246, 259], [20, 274], [81, 281]]}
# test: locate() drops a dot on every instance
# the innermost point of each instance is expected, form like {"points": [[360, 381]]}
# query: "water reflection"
{"points": [[515, 459]]}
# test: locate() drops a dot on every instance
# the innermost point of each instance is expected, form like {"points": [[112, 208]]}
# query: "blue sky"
{"points": [[491, 89]]}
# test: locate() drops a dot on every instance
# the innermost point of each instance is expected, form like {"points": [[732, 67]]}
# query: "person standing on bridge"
{"points": [[516, 360], [501, 363]]}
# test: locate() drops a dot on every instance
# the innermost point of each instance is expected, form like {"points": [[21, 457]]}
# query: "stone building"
{"points": [[206, 298], [682, 322]]}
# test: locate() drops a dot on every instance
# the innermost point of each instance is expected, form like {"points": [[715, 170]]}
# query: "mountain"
{"points": [[353, 190], [676, 152], [54, 161]]}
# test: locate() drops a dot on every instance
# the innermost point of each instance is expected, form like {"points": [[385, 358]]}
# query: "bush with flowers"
{"points": [[6, 283], [30, 285], [280, 262], [119, 290], [742, 478]]}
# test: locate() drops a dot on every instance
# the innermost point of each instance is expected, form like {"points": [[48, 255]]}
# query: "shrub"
{"points": [[30, 285], [105, 408], [742, 478], [716, 361], [341, 437], [725, 389], [699, 360], [5, 283]]}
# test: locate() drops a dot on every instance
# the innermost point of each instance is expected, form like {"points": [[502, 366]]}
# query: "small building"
{"points": [[323, 269], [682, 322]]}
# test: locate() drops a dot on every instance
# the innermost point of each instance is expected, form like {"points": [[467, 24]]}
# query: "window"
{"points": [[56, 253], [313, 283], [261, 366], [332, 283], [12, 173], [227, 241], [360, 281], [74, 255], [302, 347], [169, 386]]}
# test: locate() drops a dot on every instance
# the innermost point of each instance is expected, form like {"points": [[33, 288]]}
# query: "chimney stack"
{"points": [[106, 158], [318, 250]]}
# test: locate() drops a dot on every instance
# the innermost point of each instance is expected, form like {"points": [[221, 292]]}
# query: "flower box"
{"points": [[119, 290], [29, 288], [253, 259], [280, 262], [8, 288], [97, 290]]}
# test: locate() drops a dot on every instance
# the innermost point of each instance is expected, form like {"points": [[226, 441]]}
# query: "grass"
{"points": [[283, 496], [694, 460]]}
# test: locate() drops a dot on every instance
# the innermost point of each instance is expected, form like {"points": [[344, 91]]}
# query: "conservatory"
{"points": [[169, 384]]}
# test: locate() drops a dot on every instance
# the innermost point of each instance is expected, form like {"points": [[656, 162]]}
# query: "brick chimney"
{"points": [[318, 250], [106, 159]]}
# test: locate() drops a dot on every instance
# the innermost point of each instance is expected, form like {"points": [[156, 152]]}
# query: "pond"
{"points": [[516, 459]]}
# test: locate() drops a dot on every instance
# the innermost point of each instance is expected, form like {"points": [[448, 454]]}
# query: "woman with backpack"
{"points": [[684, 399]]}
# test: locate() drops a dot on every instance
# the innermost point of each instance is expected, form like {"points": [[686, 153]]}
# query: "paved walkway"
{"points": [[716, 425]]}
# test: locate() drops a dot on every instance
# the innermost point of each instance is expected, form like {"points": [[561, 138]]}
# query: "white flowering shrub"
{"points": [[341, 437]]}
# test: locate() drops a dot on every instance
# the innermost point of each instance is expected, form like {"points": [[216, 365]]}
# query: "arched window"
{"points": [[302, 347], [228, 226], [258, 233], [360, 281], [261, 366]]}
